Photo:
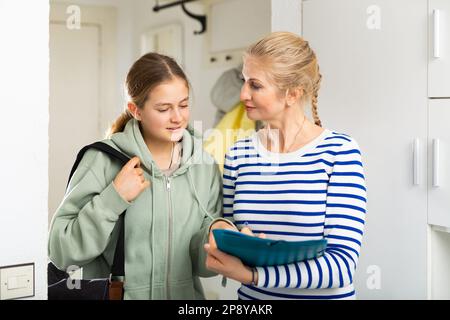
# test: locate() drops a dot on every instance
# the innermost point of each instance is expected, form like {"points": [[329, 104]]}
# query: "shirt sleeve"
{"points": [[343, 229]]}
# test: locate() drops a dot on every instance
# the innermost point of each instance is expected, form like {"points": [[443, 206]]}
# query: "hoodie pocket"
{"points": [[183, 290], [141, 293]]}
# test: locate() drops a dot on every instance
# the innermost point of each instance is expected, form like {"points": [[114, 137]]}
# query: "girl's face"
{"points": [[262, 99], [166, 112]]}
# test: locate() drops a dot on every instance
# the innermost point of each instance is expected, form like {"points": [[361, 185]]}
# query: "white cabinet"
{"points": [[439, 48], [439, 159], [439, 114], [439, 149], [373, 58], [386, 82]]}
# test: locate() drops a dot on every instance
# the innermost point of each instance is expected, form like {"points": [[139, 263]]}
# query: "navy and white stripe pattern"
{"points": [[313, 193]]}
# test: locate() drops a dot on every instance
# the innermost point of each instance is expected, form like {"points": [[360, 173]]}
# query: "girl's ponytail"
{"points": [[120, 123]]}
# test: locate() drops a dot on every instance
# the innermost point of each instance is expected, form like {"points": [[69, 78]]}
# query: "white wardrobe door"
{"points": [[373, 58], [439, 159], [439, 48]]}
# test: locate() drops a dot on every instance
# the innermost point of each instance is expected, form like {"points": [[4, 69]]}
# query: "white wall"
{"points": [[286, 15], [439, 263], [24, 136]]}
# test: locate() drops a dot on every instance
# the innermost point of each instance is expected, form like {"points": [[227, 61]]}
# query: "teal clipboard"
{"points": [[254, 251]]}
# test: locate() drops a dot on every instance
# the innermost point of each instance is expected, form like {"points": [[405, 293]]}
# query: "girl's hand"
{"points": [[130, 181], [219, 225], [247, 231], [224, 225]]}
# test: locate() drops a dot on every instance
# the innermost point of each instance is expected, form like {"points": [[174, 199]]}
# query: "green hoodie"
{"points": [[165, 226]]}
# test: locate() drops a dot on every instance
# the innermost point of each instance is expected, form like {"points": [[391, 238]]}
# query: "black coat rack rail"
{"points": [[199, 18]]}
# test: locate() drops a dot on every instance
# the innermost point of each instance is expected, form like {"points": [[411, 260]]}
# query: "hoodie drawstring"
{"points": [[153, 228], [196, 194], [224, 279]]}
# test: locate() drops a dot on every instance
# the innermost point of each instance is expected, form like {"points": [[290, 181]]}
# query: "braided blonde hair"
{"points": [[290, 63]]}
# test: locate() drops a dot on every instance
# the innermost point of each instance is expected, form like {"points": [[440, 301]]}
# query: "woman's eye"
{"points": [[163, 110], [184, 106], [254, 86]]}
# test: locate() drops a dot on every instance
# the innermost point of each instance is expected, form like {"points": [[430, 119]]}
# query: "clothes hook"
{"points": [[199, 18]]}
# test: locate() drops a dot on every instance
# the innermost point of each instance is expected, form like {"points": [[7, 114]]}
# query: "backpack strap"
{"points": [[103, 147], [118, 266]]}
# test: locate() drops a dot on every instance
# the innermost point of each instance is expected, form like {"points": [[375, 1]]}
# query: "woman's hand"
{"points": [[219, 225], [225, 264], [130, 181]]}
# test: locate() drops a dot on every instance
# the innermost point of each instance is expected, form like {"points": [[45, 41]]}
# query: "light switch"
{"points": [[17, 281], [12, 283]]}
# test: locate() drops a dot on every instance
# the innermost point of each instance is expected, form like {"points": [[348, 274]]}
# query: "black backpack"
{"points": [[95, 289]]}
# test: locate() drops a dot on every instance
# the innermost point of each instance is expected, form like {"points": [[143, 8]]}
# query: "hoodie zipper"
{"points": [[170, 236]]}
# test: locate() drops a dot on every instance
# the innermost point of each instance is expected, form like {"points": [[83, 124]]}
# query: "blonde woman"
{"points": [[292, 180], [171, 191]]}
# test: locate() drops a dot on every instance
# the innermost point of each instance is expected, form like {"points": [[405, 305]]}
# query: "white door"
{"points": [[373, 58], [83, 87], [439, 159], [439, 48], [166, 40]]}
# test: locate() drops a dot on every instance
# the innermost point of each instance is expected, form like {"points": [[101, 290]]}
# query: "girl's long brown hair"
{"points": [[146, 73]]}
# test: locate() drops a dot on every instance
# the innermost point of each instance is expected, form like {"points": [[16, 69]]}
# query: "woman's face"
{"points": [[262, 99], [166, 112]]}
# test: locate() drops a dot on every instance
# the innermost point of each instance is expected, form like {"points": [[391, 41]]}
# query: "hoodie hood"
{"points": [[131, 142]]}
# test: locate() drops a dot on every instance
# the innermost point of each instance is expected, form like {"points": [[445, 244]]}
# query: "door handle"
{"points": [[435, 162], [416, 147], [436, 33]]}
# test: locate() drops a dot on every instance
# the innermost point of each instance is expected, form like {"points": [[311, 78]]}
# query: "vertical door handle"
{"points": [[436, 33], [435, 162], [416, 147]]}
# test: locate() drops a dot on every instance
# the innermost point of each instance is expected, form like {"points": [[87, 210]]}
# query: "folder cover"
{"points": [[254, 251]]}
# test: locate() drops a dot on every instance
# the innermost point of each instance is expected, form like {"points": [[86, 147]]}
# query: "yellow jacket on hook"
{"points": [[234, 125]]}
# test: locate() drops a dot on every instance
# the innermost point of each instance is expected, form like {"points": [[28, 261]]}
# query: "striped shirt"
{"points": [[313, 193]]}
